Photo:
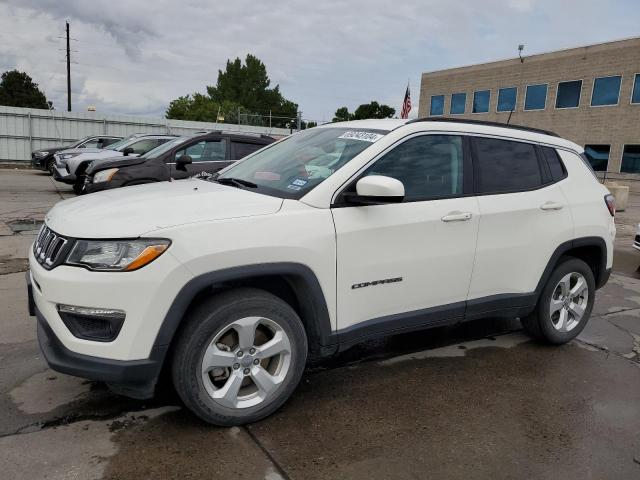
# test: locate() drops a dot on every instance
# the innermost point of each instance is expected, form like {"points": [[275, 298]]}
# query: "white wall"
{"points": [[25, 129]]}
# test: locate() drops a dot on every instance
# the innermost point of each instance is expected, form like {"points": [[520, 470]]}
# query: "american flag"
{"points": [[406, 105]]}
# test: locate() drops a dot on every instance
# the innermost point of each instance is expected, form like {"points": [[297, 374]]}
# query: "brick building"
{"points": [[590, 95]]}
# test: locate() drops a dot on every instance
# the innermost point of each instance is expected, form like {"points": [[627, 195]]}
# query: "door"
{"points": [[207, 156], [524, 216], [409, 264]]}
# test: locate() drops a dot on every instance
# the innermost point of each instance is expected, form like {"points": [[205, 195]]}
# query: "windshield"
{"points": [[117, 145], [165, 147], [294, 166], [79, 142]]}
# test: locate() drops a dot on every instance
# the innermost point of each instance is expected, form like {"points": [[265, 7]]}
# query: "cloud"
{"points": [[134, 57]]}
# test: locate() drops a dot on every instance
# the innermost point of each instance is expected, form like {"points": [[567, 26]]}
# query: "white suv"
{"points": [[329, 237]]}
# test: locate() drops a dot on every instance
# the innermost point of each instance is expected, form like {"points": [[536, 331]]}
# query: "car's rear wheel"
{"points": [[239, 357], [565, 304]]}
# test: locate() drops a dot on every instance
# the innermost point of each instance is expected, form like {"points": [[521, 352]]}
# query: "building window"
{"points": [[507, 99], [631, 159], [598, 156], [635, 96], [437, 105], [481, 100], [458, 103], [606, 91], [569, 94], [536, 97]]}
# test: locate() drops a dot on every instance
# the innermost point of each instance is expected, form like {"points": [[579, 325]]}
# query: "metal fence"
{"points": [[23, 130]]}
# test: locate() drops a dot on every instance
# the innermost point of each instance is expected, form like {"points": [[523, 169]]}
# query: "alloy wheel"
{"points": [[246, 362], [569, 302]]}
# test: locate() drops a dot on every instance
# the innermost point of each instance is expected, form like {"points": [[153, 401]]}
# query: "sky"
{"points": [[134, 57]]}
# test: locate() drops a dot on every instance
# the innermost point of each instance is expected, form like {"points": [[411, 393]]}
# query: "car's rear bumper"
{"points": [[134, 378]]}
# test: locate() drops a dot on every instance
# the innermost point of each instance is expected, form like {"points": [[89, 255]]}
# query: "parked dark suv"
{"points": [[43, 158], [180, 158]]}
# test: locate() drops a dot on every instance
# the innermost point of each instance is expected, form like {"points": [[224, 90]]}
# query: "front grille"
{"points": [[48, 247]]}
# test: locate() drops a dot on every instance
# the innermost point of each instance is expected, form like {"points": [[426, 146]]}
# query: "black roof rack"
{"points": [[486, 123]]}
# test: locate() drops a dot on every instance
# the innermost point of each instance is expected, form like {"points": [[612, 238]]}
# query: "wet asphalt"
{"points": [[478, 400]]}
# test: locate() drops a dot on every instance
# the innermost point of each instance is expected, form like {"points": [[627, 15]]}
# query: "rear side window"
{"points": [[243, 149], [556, 168], [503, 166]]}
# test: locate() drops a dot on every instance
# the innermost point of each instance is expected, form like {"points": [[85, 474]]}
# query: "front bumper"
{"points": [[90, 187], [134, 378], [61, 175]]}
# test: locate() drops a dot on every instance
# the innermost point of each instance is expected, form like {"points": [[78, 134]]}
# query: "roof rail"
{"points": [[486, 123]]}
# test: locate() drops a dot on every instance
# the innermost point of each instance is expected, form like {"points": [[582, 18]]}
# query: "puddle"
{"points": [[13, 265], [25, 226], [47, 391], [503, 341]]}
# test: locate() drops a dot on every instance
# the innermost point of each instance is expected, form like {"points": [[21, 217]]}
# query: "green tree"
{"points": [[373, 110], [241, 89], [342, 115], [18, 90], [249, 85], [364, 111], [202, 108]]}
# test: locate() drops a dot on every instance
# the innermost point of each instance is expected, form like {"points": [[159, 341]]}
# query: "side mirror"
{"points": [[127, 151], [376, 190], [182, 162]]}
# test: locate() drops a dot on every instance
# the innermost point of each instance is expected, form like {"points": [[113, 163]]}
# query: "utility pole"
{"points": [[68, 72], [299, 120]]}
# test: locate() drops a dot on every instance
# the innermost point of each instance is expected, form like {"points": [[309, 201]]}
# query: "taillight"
{"points": [[611, 204]]}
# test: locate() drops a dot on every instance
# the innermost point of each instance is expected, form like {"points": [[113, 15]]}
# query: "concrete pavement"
{"points": [[473, 401]]}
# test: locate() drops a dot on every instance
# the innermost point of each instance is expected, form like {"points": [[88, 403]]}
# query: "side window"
{"points": [[108, 141], [93, 143], [205, 151], [143, 146], [429, 166], [558, 172], [243, 149], [503, 166]]}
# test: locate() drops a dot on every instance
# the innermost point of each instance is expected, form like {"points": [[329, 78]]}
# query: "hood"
{"points": [[132, 211], [78, 150], [104, 163], [50, 150]]}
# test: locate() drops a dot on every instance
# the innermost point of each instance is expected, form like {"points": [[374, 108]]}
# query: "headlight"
{"points": [[65, 156], [116, 255], [41, 154], [105, 175]]}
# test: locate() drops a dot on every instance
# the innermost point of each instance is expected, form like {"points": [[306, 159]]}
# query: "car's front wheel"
{"points": [[51, 165], [239, 357], [565, 304]]}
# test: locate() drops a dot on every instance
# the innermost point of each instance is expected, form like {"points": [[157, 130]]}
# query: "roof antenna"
{"points": [[520, 49]]}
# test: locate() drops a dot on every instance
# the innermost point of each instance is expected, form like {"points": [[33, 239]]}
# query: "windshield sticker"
{"points": [[299, 182], [362, 136], [294, 187]]}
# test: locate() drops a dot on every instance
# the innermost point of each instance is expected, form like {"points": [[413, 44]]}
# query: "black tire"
{"points": [[208, 319], [78, 185], [50, 165], [539, 324]]}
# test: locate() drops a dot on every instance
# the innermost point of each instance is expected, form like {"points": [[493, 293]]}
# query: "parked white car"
{"points": [[236, 280], [71, 164]]}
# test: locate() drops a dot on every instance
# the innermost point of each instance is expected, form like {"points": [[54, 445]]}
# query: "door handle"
{"points": [[456, 217], [551, 206]]}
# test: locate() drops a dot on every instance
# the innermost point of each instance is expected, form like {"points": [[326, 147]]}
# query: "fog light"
{"points": [[91, 323]]}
